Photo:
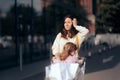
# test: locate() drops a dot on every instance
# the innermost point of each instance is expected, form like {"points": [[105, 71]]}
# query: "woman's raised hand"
{"points": [[74, 22]]}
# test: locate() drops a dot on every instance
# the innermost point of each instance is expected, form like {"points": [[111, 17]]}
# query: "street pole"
{"points": [[21, 57], [16, 33], [18, 49], [31, 31]]}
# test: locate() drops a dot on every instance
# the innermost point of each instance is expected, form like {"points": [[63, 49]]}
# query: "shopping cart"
{"points": [[65, 71]]}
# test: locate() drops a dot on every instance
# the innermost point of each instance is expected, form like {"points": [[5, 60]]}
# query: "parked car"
{"points": [[6, 42]]}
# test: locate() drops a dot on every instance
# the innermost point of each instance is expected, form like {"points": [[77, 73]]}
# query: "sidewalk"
{"points": [[108, 74], [105, 66], [27, 71]]}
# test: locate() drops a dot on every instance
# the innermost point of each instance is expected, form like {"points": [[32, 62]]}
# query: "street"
{"points": [[105, 66]]}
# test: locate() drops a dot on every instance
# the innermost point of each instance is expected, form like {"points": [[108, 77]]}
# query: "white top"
{"points": [[59, 41]]}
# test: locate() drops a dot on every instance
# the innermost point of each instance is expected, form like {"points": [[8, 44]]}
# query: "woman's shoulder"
{"points": [[58, 35]]}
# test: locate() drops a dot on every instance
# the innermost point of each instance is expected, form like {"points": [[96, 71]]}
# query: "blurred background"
{"points": [[29, 27]]}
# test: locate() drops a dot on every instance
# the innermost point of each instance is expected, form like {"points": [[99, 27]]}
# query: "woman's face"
{"points": [[68, 24]]}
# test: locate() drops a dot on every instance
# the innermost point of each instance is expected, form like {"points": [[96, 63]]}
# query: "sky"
{"points": [[6, 4]]}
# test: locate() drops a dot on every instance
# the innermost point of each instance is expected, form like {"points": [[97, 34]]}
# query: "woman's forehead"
{"points": [[68, 19]]}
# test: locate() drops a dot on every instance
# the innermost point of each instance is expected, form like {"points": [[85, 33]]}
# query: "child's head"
{"points": [[69, 49]]}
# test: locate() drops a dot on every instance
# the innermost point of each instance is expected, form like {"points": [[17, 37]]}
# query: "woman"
{"points": [[70, 33]]}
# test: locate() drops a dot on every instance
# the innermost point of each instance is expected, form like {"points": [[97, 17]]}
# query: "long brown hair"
{"points": [[73, 31]]}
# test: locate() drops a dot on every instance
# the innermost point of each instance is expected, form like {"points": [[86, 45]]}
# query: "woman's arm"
{"points": [[82, 30], [82, 34]]}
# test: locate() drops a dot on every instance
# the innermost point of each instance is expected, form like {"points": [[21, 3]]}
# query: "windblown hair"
{"points": [[68, 48], [73, 31]]}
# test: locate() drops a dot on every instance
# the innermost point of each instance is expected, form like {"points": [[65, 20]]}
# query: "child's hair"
{"points": [[68, 48]]}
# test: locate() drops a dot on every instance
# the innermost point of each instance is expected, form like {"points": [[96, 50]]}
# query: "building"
{"points": [[90, 7]]}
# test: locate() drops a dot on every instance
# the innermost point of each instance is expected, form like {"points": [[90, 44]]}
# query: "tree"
{"points": [[47, 23], [108, 17], [24, 17], [53, 14]]}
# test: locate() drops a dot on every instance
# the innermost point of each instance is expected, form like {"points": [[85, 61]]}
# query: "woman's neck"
{"points": [[68, 34]]}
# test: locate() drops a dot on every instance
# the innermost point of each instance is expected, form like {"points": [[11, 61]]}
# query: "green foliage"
{"points": [[24, 17], [49, 22], [8, 24], [109, 15], [54, 14]]}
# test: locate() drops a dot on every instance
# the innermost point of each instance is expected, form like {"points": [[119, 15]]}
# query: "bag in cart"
{"points": [[65, 71]]}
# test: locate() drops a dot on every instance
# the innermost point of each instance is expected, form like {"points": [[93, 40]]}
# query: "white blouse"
{"points": [[59, 41]]}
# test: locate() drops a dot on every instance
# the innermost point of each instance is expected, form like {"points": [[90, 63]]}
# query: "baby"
{"points": [[68, 54]]}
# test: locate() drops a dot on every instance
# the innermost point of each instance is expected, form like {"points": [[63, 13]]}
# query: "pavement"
{"points": [[27, 71], [108, 74], [105, 66]]}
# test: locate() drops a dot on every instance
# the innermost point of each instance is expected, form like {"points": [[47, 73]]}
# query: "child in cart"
{"points": [[68, 55]]}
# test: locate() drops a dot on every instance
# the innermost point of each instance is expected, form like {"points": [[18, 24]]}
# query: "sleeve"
{"points": [[82, 30], [55, 46], [82, 34]]}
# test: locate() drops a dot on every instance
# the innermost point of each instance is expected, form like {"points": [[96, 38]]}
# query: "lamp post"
{"points": [[31, 31], [18, 49], [16, 33]]}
